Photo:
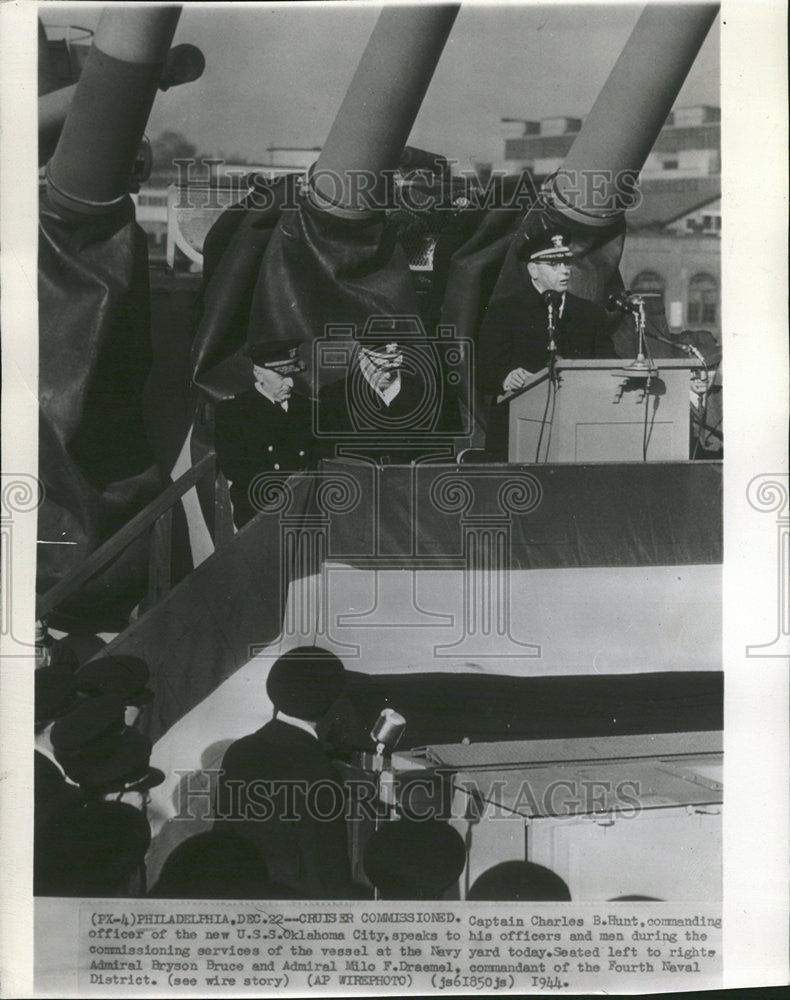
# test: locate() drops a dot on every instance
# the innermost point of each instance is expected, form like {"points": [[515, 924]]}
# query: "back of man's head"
{"points": [[305, 681]]}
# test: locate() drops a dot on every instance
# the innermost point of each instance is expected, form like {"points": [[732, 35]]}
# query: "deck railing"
{"points": [[158, 515]]}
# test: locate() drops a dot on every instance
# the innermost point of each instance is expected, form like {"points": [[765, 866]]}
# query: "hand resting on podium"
{"points": [[516, 379]]}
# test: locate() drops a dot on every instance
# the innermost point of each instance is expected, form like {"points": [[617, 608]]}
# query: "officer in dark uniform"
{"points": [[91, 849], [514, 335], [267, 428], [394, 404], [55, 696]]}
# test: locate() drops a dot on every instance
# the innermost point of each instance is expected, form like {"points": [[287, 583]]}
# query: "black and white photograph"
{"points": [[383, 628]]}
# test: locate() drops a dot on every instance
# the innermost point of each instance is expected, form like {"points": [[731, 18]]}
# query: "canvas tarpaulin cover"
{"points": [[603, 569], [96, 465], [279, 269]]}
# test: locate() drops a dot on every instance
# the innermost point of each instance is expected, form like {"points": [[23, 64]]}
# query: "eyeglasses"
{"points": [[554, 264]]}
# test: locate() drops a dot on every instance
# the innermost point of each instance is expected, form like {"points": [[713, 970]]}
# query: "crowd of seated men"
{"points": [[280, 828]]}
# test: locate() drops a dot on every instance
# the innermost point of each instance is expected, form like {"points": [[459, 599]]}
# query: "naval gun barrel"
{"points": [[90, 170], [381, 104], [52, 111], [596, 179], [184, 64]]}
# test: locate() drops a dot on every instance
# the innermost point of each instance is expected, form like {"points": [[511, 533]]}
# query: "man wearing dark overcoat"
{"points": [[279, 789]]}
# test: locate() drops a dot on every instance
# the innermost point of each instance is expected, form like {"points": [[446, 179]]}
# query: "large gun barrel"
{"points": [[90, 170], [53, 108], [381, 104], [184, 64], [631, 109]]}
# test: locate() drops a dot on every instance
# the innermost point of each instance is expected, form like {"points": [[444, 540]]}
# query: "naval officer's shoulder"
{"points": [[239, 403]]}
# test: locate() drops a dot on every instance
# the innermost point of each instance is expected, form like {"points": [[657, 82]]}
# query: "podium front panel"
{"points": [[599, 413]]}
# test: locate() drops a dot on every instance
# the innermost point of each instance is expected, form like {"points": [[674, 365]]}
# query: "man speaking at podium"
{"points": [[516, 334]]}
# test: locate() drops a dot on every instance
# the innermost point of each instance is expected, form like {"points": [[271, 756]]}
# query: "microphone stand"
{"points": [[552, 348], [386, 732], [640, 365], [384, 783]]}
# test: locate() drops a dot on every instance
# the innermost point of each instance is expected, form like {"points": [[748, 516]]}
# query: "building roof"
{"points": [[677, 138], [665, 201], [686, 129]]}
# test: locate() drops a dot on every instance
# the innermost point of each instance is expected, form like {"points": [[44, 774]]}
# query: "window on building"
{"points": [[649, 283], [703, 299], [652, 285], [670, 164]]}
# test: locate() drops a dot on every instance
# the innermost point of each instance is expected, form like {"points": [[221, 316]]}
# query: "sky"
{"points": [[276, 74]]}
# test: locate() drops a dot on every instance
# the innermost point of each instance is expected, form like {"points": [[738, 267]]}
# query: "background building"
{"points": [[673, 244], [179, 202]]}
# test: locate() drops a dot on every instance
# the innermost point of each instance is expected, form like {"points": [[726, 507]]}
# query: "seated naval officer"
{"points": [[266, 428], [279, 789], [706, 434], [393, 403], [514, 336]]}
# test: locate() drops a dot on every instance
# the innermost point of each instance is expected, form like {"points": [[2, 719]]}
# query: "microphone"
{"points": [[634, 303], [387, 730], [552, 300], [628, 301], [621, 300]]}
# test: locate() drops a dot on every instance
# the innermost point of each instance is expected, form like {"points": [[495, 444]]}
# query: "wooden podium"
{"points": [[599, 412]]}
